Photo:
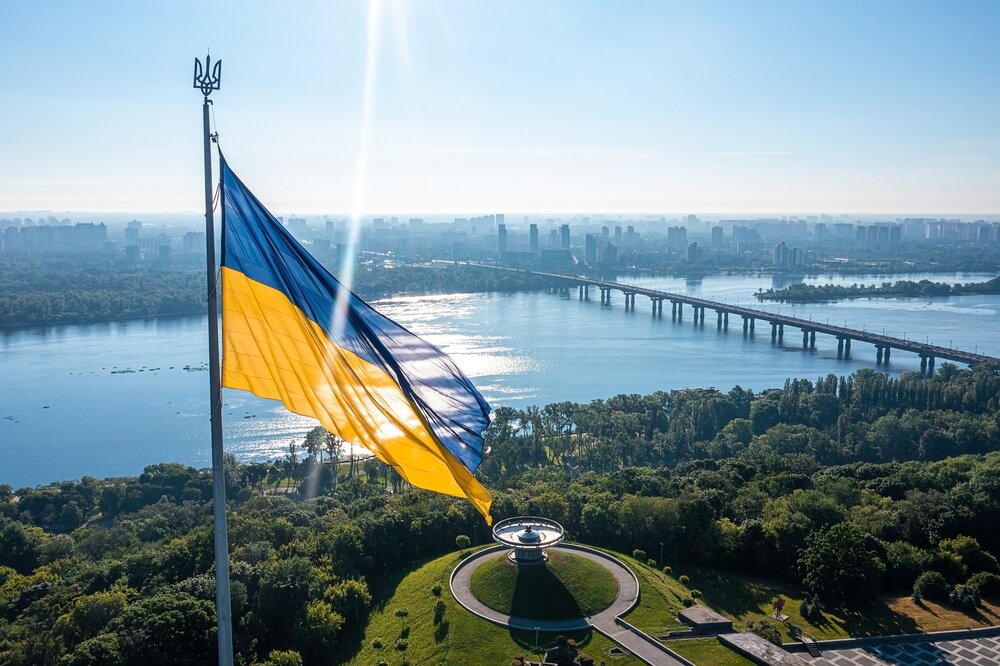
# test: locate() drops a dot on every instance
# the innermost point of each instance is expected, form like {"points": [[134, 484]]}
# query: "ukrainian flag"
{"points": [[292, 332]]}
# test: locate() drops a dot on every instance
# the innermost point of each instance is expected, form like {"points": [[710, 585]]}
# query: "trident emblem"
{"points": [[207, 83]]}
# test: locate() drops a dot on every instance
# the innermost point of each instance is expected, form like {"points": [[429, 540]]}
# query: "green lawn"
{"points": [[464, 640], [743, 597], [660, 598], [708, 652], [566, 587]]}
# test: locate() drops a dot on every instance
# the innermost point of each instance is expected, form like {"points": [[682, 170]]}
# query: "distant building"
{"points": [[590, 250], [564, 237], [502, 239], [716, 236], [533, 239], [693, 253], [677, 237]]}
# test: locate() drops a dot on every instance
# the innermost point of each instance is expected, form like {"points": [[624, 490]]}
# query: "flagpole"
{"points": [[208, 80]]}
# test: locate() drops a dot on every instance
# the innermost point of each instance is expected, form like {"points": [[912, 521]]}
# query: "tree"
{"points": [[150, 630], [931, 585], [462, 541], [19, 546], [839, 564], [283, 658], [318, 630]]}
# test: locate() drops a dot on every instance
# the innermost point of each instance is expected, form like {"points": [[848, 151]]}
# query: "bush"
{"points": [[462, 541], [696, 594], [668, 571], [683, 580], [439, 609], [442, 631], [811, 608], [932, 585], [966, 597], [402, 644], [765, 630], [651, 563], [639, 554], [436, 590], [988, 583], [688, 602], [377, 644], [283, 658]]}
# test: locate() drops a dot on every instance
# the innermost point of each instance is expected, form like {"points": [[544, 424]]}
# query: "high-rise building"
{"points": [[677, 237], [618, 235], [533, 238], [132, 233], [502, 239], [590, 249], [554, 239], [564, 237], [716, 236]]}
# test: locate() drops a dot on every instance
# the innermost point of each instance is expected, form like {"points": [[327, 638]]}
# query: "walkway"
{"points": [[606, 622], [978, 651]]}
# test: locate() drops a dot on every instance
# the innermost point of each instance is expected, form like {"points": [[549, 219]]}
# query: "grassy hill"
{"points": [[566, 587], [460, 638]]}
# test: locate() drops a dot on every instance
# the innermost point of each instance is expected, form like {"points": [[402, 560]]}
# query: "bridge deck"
{"points": [[927, 350]]}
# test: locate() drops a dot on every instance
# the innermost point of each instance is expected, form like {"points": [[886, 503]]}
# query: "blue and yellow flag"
{"points": [[292, 332]]}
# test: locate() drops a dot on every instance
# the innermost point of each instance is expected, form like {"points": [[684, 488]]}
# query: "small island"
{"points": [[809, 293]]}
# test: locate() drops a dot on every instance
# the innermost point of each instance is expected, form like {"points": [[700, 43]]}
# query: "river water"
{"points": [[107, 399]]}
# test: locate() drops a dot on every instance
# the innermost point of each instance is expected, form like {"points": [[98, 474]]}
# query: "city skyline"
{"points": [[652, 108]]}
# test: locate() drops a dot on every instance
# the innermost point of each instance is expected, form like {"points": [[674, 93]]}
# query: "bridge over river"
{"points": [[750, 316]]}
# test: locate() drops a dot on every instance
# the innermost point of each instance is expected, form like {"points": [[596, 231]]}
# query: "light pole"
{"points": [[661, 554]]}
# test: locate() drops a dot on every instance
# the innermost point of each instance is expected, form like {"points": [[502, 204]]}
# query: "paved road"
{"points": [[604, 622]]}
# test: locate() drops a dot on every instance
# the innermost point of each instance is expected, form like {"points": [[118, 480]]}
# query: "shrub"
{"points": [[404, 632], [765, 630], [688, 602], [639, 554], [442, 631], [683, 579], [668, 571], [966, 597], [696, 594], [377, 644], [988, 583], [283, 658], [402, 644], [462, 541], [932, 585], [436, 590], [811, 608], [439, 609], [651, 563]]}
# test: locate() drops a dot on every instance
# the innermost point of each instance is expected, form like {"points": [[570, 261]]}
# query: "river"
{"points": [[107, 399]]}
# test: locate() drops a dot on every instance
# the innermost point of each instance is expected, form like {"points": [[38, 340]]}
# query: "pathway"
{"points": [[979, 651], [606, 622]]}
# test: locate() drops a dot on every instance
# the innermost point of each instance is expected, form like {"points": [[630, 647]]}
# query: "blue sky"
{"points": [[659, 107]]}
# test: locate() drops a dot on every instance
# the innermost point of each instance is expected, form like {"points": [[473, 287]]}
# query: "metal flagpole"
{"points": [[208, 79]]}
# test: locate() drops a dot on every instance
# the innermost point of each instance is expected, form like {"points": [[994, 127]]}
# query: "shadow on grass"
{"points": [[737, 595], [874, 620], [540, 595]]}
